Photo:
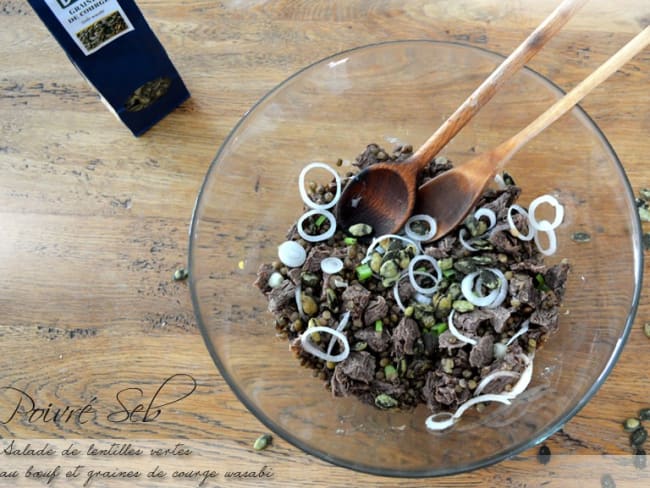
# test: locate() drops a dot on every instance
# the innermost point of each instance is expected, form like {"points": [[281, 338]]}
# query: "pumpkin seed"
{"points": [[544, 454], [389, 270], [640, 458], [644, 193], [644, 214], [310, 279], [385, 401], [375, 262], [644, 414], [606, 481], [360, 230], [309, 305], [180, 274], [262, 442], [462, 306], [631, 424], [638, 437], [646, 329], [580, 237]]}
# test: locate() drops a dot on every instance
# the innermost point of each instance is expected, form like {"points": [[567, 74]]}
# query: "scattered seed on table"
{"points": [[631, 424], [180, 274], [544, 454], [638, 437], [644, 414], [262, 442], [646, 329], [644, 214], [640, 458], [580, 237], [606, 481]]}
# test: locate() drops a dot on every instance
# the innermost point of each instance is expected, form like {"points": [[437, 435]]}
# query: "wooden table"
{"points": [[93, 222]]}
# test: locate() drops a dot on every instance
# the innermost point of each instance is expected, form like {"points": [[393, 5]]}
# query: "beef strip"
{"points": [[359, 366], [448, 341], [556, 277], [377, 309], [355, 300], [264, 272], [281, 296], [523, 289], [483, 352], [378, 342], [404, 336]]}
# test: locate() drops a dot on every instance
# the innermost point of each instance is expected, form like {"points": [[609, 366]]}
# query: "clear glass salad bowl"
{"points": [[401, 92]]}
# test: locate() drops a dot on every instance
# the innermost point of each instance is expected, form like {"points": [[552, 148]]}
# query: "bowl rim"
{"points": [[482, 463]]}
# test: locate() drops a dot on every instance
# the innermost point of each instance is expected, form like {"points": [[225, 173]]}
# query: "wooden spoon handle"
{"points": [[508, 148], [520, 56]]}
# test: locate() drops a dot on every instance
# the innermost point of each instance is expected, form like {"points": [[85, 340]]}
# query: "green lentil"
{"points": [[644, 414], [385, 401]]}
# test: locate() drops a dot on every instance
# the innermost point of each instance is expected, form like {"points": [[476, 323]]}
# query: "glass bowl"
{"points": [[387, 93]]}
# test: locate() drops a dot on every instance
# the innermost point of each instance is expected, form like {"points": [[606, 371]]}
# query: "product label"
{"points": [[92, 24]]}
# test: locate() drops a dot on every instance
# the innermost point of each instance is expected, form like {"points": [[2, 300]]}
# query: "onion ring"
{"points": [[454, 331], [411, 271], [319, 237], [551, 200], [411, 234], [313, 350], [513, 229], [303, 193]]}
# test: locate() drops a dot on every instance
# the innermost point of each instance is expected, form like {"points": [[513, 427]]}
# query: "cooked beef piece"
{"points": [[404, 336], [523, 289], [442, 248], [499, 317], [294, 275], [556, 276], [499, 200], [355, 300], [377, 309], [342, 385], [441, 388], [317, 253], [376, 341], [545, 318], [264, 272], [467, 323], [531, 266], [483, 352], [359, 366], [281, 296], [448, 341], [369, 156]]}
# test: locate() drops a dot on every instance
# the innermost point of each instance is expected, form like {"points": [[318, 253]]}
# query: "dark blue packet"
{"points": [[115, 50]]}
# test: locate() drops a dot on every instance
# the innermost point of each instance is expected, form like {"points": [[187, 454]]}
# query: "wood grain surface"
{"points": [[93, 222]]}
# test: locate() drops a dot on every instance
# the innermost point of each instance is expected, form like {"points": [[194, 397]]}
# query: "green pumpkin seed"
{"points": [[309, 305], [638, 437], [646, 329], [310, 279], [262, 442], [180, 274], [644, 414], [631, 424], [375, 262], [462, 306], [644, 193], [389, 269], [644, 214], [385, 401], [360, 230], [580, 237]]}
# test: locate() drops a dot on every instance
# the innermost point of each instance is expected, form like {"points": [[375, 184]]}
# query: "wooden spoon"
{"points": [[384, 194], [451, 195]]}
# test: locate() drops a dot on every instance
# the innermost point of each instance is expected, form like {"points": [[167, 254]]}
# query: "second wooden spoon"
{"points": [[451, 195]]}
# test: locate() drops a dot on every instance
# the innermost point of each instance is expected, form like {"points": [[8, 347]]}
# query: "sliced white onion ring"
{"points": [[313, 350], [551, 200], [303, 193], [412, 273], [344, 321], [467, 288], [486, 212], [319, 237], [411, 234], [292, 254], [552, 238], [298, 295], [524, 379], [463, 241], [493, 376], [331, 265], [513, 229], [433, 424], [454, 331], [522, 330]]}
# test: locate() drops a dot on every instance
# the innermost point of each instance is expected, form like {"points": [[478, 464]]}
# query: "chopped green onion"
{"points": [[448, 273], [363, 272], [541, 283], [379, 326], [320, 221], [439, 328], [350, 241]]}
